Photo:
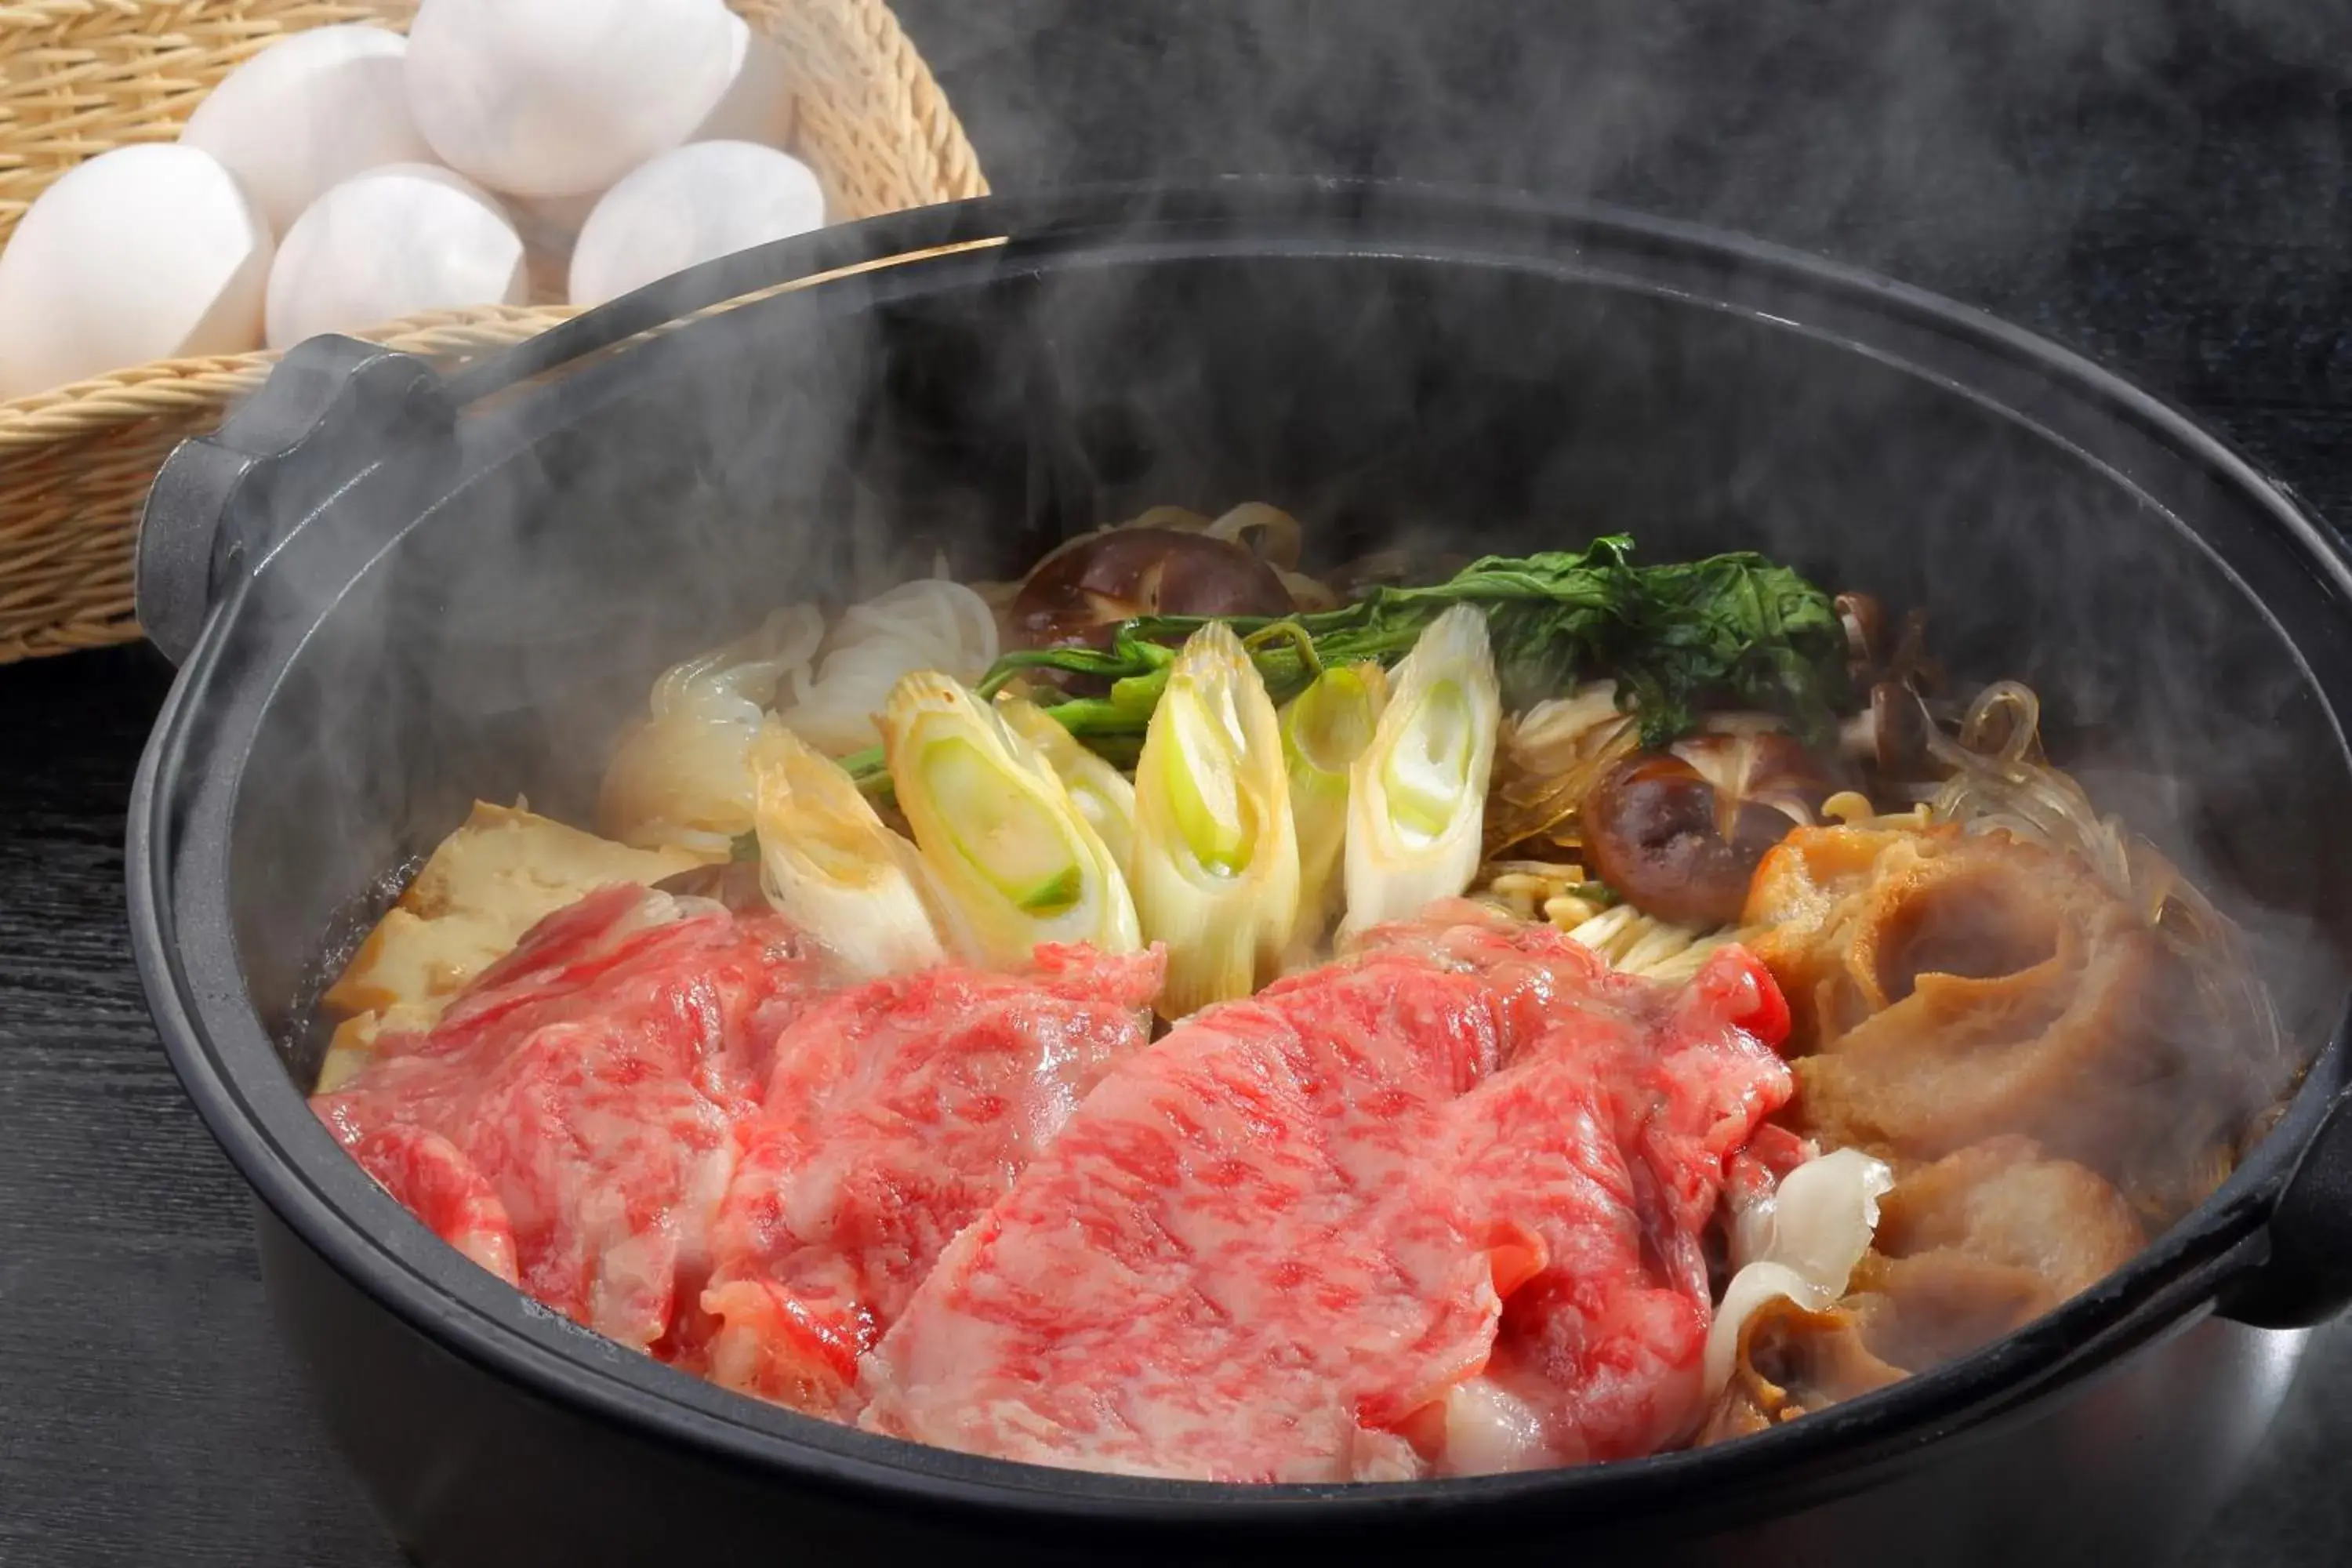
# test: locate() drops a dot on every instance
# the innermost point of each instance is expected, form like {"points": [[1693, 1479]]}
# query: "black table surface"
{"points": [[2164, 189]]}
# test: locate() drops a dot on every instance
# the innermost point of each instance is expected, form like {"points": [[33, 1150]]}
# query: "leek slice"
{"points": [[1215, 865], [1324, 730], [1102, 793], [1012, 859], [1417, 795], [829, 863]]}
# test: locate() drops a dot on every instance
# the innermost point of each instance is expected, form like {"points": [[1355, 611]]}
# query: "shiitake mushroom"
{"points": [[1079, 593], [1890, 733], [1866, 633], [1679, 834]]}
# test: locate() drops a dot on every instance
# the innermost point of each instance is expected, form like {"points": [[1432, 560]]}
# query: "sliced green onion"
{"points": [[1103, 794], [1215, 865], [1324, 730], [1003, 830], [1418, 792], [831, 866], [1012, 856]]}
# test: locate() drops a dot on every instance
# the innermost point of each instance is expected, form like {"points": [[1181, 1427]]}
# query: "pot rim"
{"points": [[307, 1180]]}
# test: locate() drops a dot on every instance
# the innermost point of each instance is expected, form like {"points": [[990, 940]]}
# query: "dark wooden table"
{"points": [[2166, 189]]}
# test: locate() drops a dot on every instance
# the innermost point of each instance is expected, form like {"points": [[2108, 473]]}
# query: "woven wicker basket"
{"points": [[81, 77]]}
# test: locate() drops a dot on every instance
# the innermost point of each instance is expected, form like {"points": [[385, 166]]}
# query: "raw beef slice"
{"points": [[1431, 1209], [568, 1124], [899, 1112]]}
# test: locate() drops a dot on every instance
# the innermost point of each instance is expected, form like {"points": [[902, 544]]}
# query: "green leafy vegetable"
{"points": [[1735, 629]]}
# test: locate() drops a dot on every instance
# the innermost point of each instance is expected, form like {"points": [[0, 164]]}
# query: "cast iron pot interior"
{"points": [[395, 595]]}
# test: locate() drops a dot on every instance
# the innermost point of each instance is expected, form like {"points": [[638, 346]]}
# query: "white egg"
{"points": [[553, 98], [139, 254], [392, 243], [549, 227], [700, 203], [307, 113], [758, 105]]}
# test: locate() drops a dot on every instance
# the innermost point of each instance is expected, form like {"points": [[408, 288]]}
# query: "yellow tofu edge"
{"points": [[468, 882]]}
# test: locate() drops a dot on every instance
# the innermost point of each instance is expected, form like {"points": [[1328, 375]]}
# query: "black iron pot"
{"points": [[393, 592]]}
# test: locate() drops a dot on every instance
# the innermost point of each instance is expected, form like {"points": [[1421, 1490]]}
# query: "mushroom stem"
{"points": [[1866, 629], [1858, 736]]}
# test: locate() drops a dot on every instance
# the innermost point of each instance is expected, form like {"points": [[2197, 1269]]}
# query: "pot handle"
{"points": [[2307, 1278], [221, 503]]}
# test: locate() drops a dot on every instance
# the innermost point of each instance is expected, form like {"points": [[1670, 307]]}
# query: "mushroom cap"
{"points": [[1679, 833], [1080, 592]]}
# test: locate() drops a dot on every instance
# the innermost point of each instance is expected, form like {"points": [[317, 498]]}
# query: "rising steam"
{"points": [[667, 499]]}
